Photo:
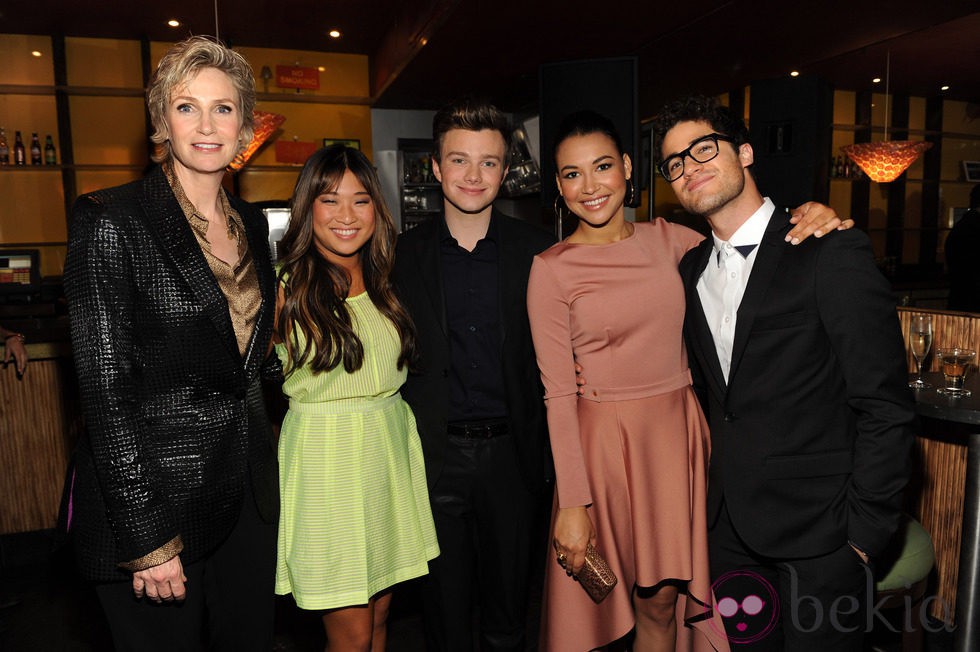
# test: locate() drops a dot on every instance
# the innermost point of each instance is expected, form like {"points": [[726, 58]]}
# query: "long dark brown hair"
{"points": [[314, 289]]}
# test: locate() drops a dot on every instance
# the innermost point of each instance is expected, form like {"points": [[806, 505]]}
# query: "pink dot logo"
{"points": [[748, 605]]}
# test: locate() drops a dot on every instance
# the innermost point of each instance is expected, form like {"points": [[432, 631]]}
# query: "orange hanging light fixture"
{"points": [[885, 160], [265, 124]]}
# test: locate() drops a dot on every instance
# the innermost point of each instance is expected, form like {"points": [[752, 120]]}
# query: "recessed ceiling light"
{"points": [[795, 73], [876, 80], [334, 33], [944, 88], [35, 53], [173, 22]]}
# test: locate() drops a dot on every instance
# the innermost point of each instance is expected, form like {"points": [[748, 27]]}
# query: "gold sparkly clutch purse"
{"points": [[596, 577]]}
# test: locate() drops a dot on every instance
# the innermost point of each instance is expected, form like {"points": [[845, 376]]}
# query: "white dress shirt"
{"points": [[724, 279]]}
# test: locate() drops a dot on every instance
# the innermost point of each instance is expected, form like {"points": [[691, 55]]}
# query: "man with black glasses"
{"points": [[798, 359]]}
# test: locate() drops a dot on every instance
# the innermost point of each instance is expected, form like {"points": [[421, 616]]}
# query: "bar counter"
{"points": [[951, 429], [40, 420], [940, 492]]}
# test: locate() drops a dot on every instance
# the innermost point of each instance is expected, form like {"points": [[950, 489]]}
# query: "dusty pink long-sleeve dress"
{"points": [[635, 447]]}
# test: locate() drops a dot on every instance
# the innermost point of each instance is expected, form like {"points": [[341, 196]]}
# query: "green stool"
{"points": [[907, 564]]}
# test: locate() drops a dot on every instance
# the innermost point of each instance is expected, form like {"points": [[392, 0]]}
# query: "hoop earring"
{"points": [[630, 193], [558, 212]]}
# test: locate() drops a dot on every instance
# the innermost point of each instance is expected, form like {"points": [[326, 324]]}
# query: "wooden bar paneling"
{"points": [[941, 469], [948, 329], [936, 494], [39, 425]]}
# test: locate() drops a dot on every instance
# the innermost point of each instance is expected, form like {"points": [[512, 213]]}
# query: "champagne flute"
{"points": [[920, 341]]}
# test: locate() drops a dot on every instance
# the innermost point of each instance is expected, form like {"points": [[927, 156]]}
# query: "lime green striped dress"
{"points": [[355, 510]]}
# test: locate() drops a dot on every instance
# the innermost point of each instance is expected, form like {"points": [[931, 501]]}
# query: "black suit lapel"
{"points": [[430, 272], [702, 341], [767, 260], [167, 220], [511, 285]]}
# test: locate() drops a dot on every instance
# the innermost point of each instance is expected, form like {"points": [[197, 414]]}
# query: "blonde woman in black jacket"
{"points": [[171, 295]]}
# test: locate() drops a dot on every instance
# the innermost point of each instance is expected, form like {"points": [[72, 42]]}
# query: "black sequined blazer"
{"points": [[174, 416]]}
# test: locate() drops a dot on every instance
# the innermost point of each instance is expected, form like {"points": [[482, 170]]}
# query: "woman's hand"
{"points": [[15, 349], [161, 583], [573, 533], [814, 219]]}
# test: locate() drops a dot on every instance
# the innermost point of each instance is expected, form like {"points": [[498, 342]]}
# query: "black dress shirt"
{"points": [[470, 283]]}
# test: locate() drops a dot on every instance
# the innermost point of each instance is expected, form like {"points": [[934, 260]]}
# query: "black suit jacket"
{"points": [[175, 422], [418, 279], [811, 435]]}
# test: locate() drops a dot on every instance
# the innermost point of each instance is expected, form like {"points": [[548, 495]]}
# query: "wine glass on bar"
{"points": [[920, 341]]}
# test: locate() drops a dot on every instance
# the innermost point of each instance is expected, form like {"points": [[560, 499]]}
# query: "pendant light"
{"points": [[264, 123], [885, 160]]}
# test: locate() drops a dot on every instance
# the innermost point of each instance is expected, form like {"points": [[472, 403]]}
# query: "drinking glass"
{"points": [[955, 361], [920, 341]]}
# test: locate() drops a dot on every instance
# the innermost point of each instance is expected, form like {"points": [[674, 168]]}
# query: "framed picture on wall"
{"points": [[971, 170], [349, 142]]}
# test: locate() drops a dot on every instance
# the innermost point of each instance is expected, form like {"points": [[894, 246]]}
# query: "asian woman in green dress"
{"points": [[355, 511]]}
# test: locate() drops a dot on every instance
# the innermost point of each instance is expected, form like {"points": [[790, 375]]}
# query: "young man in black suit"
{"points": [[476, 392], [799, 362]]}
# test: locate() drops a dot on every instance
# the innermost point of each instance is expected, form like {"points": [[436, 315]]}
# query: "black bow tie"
{"points": [[745, 250]]}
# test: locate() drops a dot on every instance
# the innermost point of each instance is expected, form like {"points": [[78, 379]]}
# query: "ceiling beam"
{"points": [[411, 31]]}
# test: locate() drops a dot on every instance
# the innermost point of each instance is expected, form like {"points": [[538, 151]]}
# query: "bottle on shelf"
{"points": [[20, 154], [50, 155], [35, 150], [833, 168], [4, 148]]}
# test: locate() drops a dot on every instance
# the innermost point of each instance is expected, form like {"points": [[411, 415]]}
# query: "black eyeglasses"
{"points": [[701, 150]]}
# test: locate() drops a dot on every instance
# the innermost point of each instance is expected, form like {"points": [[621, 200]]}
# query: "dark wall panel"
{"points": [[607, 86], [790, 123]]}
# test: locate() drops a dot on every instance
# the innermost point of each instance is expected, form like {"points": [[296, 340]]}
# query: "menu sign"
{"points": [[15, 269], [297, 77]]}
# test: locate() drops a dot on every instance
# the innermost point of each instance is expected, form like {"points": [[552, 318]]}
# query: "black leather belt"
{"points": [[478, 430]]}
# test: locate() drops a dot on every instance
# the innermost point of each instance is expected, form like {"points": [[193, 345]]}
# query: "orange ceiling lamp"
{"points": [[265, 125], [263, 122], [884, 161]]}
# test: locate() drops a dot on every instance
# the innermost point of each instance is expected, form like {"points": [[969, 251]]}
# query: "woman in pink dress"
{"points": [[631, 451]]}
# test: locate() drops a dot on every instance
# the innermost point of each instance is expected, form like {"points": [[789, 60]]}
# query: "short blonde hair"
{"points": [[182, 63]]}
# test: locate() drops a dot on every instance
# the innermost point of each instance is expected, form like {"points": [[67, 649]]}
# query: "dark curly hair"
{"points": [[699, 108]]}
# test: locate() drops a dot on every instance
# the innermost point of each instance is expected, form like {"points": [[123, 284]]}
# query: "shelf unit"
{"points": [[909, 218], [420, 194], [89, 94]]}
